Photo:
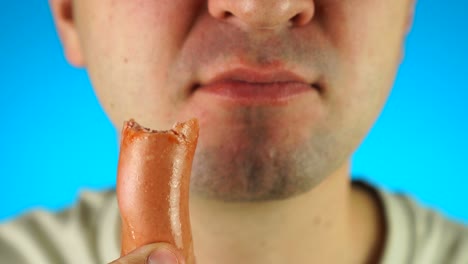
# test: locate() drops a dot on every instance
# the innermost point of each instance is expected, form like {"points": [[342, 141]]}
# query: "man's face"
{"points": [[162, 61]]}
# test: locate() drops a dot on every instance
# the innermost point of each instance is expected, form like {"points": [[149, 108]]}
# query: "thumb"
{"points": [[157, 253]]}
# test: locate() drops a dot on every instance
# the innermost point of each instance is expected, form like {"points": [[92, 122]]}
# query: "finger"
{"points": [[158, 253]]}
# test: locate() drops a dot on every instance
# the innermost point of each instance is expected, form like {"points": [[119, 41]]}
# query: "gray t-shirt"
{"points": [[89, 233]]}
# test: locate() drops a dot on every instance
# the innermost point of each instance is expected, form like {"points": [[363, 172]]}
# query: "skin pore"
{"points": [[270, 184]]}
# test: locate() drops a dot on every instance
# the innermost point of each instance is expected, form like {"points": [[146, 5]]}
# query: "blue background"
{"points": [[55, 139]]}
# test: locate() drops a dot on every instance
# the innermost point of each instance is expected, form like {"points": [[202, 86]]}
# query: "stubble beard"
{"points": [[262, 170]]}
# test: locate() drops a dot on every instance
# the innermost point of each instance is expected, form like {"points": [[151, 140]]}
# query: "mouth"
{"points": [[244, 86]]}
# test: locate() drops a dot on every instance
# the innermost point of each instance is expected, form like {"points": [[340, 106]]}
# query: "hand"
{"points": [[158, 253]]}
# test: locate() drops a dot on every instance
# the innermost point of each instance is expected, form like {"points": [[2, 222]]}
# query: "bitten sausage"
{"points": [[153, 185]]}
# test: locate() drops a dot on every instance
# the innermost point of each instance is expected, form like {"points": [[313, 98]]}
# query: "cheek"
{"points": [[369, 46], [128, 47]]}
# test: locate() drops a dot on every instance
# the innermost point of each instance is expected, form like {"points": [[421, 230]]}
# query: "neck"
{"points": [[314, 227]]}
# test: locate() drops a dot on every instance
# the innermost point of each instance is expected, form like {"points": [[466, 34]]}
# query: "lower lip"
{"points": [[246, 93]]}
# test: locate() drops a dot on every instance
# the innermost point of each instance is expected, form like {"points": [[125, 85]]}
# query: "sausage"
{"points": [[153, 185]]}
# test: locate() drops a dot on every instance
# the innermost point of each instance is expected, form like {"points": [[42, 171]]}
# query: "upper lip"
{"points": [[255, 76]]}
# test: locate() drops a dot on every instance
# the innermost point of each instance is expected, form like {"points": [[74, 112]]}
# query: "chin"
{"points": [[259, 171], [263, 153]]}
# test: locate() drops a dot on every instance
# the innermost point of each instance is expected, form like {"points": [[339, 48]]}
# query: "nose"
{"points": [[263, 14]]}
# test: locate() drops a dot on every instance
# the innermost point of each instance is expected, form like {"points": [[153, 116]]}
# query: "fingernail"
{"points": [[162, 256]]}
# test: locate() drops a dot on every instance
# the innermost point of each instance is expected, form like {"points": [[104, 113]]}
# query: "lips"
{"points": [[255, 87]]}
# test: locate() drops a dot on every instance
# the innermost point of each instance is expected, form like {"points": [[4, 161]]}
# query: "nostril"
{"points": [[263, 13], [295, 20], [226, 14], [300, 19]]}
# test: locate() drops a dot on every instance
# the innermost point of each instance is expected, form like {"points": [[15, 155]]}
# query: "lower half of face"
{"points": [[145, 67], [262, 152], [258, 152], [272, 152]]}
